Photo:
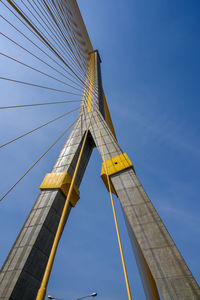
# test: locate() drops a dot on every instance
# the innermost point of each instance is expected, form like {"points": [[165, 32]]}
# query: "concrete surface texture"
{"points": [[159, 261]]}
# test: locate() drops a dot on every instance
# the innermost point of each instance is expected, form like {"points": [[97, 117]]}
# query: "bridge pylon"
{"points": [[161, 265]]}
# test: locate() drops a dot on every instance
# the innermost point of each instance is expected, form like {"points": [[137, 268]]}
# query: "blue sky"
{"points": [[150, 70]]}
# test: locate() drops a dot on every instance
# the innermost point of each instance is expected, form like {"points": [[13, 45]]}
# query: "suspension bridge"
{"points": [[53, 55]]}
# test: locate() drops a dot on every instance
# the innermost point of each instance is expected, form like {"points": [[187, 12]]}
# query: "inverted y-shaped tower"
{"points": [[160, 263]]}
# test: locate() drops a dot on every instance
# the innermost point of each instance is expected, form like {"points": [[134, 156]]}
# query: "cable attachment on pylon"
{"points": [[114, 166], [60, 181]]}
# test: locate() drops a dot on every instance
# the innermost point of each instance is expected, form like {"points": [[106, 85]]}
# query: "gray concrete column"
{"points": [[159, 261], [148, 233], [22, 272]]}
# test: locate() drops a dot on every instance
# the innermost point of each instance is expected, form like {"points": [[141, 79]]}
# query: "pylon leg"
{"points": [[23, 269], [151, 240], [159, 261]]}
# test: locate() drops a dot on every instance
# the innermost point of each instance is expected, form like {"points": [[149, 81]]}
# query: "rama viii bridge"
{"points": [[52, 33]]}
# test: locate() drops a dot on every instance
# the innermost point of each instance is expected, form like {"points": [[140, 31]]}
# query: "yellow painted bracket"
{"points": [[113, 166], [60, 181]]}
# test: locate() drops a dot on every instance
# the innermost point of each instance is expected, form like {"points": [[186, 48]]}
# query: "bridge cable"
{"points": [[60, 46], [18, 10], [39, 71], [114, 214], [65, 21], [59, 19], [39, 127], [64, 38], [95, 90], [46, 41], [20, 46], [37, 47], [37, 21], [43, 61], [39, 86], [31, 30], [38, 104], [42, 291], [37, 160]]}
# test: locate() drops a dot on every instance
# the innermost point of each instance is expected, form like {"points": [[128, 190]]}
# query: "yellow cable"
{"points": [[42, 291], [115, 218]]}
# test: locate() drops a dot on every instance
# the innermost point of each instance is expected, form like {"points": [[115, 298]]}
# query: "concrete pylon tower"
{"points": [[160, 263]]}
